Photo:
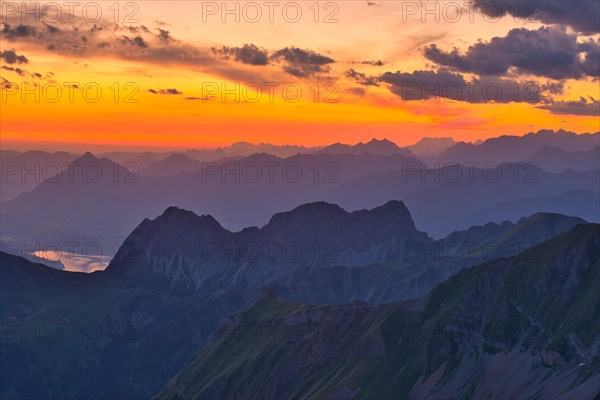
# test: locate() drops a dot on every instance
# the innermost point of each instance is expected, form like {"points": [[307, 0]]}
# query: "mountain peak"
{"points": [[174, 210], [382, 141], [88, 156], [306, 213], [175, 213], [181, 239], [392, 215], [317, 206], [395, 206]]}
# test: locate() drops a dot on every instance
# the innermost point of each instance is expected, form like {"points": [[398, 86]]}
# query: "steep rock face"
{"points": [[317, 252], [518, 327], [181, 248]]}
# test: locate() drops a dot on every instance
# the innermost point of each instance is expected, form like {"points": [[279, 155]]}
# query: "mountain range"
{"points": [[243, 191], [555, 159], [264, 271], [176, 277], [551, 150], [520, 327], [429, 147], [508, 148]]}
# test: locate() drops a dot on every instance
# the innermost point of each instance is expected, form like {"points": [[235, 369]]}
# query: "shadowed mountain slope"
{"points": [[521, 327]]}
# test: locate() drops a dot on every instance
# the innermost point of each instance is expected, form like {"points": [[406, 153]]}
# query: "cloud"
{"points": [[445, 84], [591, 61], [583, 106], [205, 98], [19, 31], [165, 91], [136, 41], [6, 84], [548, 52], [78, 38], [18, 71], [302, 63], [11, 57], [377, 63], [361, 78], [247, 54], [51, 28], [582, 16], [138, 29], [106, 39], [164, 35]]}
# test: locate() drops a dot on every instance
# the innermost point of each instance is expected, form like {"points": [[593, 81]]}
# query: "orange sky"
{"points": [[128, 113]]}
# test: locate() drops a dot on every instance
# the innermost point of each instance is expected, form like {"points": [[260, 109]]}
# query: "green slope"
{"points": [[541, 304]]}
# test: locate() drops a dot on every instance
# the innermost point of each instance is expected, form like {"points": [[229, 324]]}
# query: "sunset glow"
{"points": [[177, 76]]}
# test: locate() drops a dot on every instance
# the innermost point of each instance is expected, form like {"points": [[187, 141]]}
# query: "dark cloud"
{"points": [[361, 78], [302, 63], [18, 71], [164, 35], [298, 62], [6, 84], [247, 54], [582, 16], [589, 107], [139, 41], [445, 84], [591, 61], [548, 52], [139, 29], [68, 38], [165, 91], [51, 28], [377, 63], [136, 41], [19, 31], [11, 57]]}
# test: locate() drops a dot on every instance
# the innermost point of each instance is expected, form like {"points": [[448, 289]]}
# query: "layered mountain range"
{"points": [[317, 251], [244, 191], [287, 272], [176, 277]]}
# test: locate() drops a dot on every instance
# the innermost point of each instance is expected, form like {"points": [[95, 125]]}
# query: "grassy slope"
{"points": [[548, 291]]}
